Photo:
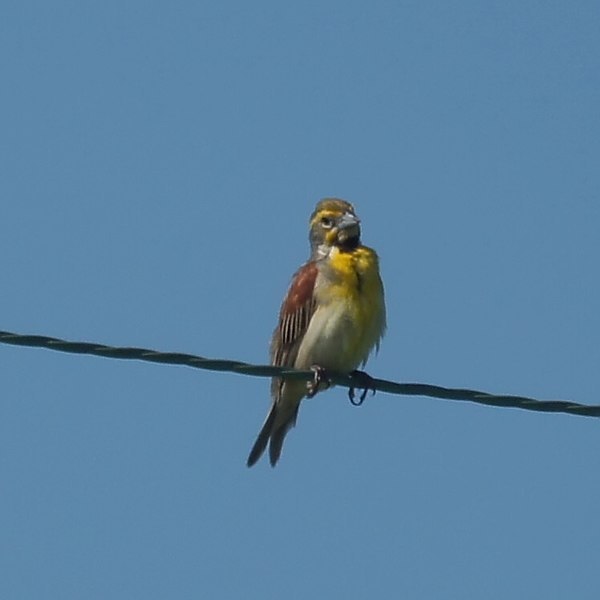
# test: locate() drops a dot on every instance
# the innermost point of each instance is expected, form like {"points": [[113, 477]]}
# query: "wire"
{"points": [[349, 381]]}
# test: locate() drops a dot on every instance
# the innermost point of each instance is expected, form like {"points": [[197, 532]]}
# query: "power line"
{"points": [[349, 381]]}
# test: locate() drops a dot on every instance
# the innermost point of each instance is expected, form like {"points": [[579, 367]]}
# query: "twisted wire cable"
{"points": [[348, 381]]}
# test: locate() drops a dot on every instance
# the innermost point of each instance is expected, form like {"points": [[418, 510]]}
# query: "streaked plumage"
{"points": [[332, 316]]}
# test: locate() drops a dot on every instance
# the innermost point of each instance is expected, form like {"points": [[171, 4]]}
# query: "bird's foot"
{"points": [[365, 382], [320, 381]]}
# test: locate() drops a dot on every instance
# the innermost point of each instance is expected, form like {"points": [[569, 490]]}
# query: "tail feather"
{"points": [[276, 444], [272, 433], [262, 439]]}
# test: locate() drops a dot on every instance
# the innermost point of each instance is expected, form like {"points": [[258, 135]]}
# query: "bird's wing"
{"points": [[296, 312]]}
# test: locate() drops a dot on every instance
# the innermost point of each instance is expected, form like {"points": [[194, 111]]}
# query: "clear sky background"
{"points": [[159, 163]]}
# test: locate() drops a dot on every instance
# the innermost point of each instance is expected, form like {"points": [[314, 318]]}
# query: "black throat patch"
{"points": [[349, 244]]}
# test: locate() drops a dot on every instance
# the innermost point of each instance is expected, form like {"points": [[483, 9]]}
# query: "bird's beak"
{"points": [[348, 227]]}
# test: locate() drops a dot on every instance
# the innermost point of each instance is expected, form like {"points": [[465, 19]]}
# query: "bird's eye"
{"points": [[326, 222]]}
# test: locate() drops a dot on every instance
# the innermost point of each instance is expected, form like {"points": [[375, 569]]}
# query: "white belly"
{"points": [[334, 341]]}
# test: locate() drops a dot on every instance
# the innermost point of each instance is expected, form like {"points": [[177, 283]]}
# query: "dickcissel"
{"points": [[331, 319]]}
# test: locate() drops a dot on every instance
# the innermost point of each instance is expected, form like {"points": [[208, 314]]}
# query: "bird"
{"points": [[331, 319]]}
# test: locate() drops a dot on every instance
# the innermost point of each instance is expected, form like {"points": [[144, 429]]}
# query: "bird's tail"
{"points": [[263, 437], [275, 430]]}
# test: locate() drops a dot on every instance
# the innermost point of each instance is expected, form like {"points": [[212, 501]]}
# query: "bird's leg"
{"points": [[365, 382], [320, 381]]}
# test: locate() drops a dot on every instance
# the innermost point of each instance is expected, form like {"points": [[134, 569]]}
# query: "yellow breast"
{"points": [[350, 285]]}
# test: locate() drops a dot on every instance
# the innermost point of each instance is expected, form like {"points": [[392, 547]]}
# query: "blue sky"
{"points": [[159, 164]]}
